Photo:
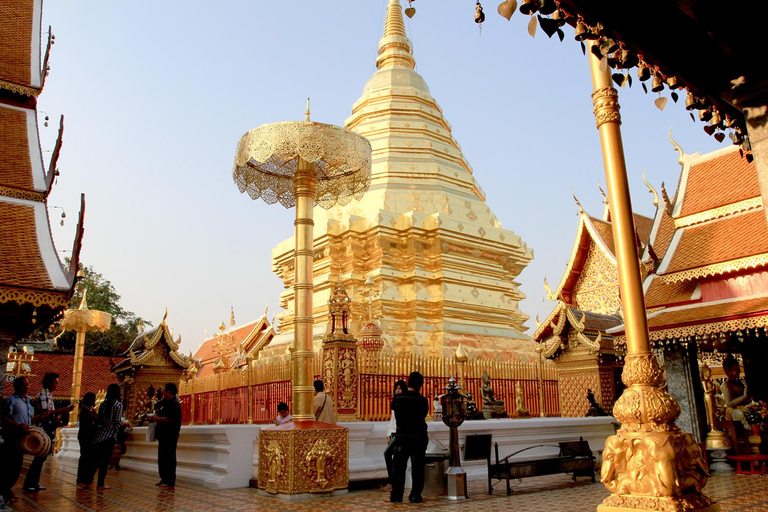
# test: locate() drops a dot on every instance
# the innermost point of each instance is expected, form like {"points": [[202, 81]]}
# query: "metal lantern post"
{"points": [[82, 320], [454, 412], [303, 164]]}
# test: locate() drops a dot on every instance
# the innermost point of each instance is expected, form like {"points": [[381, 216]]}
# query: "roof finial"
{"points": [[232, 316], [306, 114], [651, 190], [84, 302], [266, 309], [581, 209], [606, 204], [394, 47], [677, 148]]}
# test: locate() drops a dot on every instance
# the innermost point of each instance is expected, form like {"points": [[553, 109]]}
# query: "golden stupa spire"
{"points": [[395, 48]]}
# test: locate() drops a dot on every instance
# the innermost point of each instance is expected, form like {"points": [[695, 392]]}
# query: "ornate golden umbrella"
{"points": [[82, 320], [303, 164]]}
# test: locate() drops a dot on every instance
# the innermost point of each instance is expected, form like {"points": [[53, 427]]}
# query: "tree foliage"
{"points": [[103, 297]]}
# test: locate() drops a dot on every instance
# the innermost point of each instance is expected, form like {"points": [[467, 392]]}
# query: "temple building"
{"points": [[574, 334], [444, 269], [706, 289], [230, 349], [35, 287], [151, 361]]}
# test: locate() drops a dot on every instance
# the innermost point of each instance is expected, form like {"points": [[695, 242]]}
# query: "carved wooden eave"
{"points": [[261, 335], [565, 321]]}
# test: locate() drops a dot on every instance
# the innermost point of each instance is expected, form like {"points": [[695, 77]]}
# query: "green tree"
{"points": [[102, 296]]}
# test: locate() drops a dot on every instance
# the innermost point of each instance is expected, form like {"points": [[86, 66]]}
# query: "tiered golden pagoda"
{"points": [[442, 264]]}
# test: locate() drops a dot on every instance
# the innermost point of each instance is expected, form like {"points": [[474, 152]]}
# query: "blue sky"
{"points": [[156, 95]]}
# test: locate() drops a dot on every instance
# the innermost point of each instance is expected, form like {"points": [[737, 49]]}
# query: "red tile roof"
{"points": [[605, 230], [709, 312], [207, 356], [22, 263], [15, 164], [660, 294], [722, 180], [96, 374], [16, 40], [729, 238]]}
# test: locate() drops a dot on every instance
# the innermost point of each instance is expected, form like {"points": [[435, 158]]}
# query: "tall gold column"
{"points": [[82, 320], [650, 464], [303, 391]]}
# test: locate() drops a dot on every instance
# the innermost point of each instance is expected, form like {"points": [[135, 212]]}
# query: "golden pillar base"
{"points": [[303, 457], [619, 503]]}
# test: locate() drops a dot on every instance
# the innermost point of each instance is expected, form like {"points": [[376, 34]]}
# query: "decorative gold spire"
{"points": [[395, 48], [681, 153], [306, 113], [84, 302], [232, 316], [651, 190]]}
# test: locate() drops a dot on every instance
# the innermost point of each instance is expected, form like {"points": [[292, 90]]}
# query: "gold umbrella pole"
{"points": [[650, 464], [303, 391], [82, 320]]}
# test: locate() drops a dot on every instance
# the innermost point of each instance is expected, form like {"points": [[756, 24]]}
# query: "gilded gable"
{"points": [[597, 289]]}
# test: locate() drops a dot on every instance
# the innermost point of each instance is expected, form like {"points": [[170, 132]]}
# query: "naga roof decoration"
{"points": [[549, 333]]}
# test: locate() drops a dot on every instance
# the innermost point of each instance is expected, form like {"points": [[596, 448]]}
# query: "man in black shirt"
{"points": [[410, 409], [167, 429]]}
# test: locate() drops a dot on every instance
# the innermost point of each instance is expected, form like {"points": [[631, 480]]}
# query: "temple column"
{"points": [[650, 464]]}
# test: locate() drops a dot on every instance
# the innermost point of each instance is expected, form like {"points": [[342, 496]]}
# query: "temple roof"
{"points": [[706, 318], [717, 224], [21, 69], [252, 337], [143, 348]]}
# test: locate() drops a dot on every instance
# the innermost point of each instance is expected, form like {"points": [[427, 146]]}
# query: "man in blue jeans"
{"points": [[410, 408]]}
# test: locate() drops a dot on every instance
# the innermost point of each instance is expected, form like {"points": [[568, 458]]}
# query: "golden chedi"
{"points": [[443, 267]]}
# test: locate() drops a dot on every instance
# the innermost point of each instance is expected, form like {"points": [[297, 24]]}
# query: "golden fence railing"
{"points": [[225, 397]]}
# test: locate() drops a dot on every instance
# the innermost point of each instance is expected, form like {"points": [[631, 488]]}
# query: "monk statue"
{"points": [[594, 407], [492, 408], [520, 410]]}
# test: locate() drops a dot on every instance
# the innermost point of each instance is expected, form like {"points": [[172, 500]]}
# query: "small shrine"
{"points": [[151, 361], [574, 334]]}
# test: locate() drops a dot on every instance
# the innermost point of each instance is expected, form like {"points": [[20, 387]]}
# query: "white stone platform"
{"points": [[225, 456]]}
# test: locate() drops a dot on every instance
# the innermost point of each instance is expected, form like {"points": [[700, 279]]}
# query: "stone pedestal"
{"points": [[302, 459], [718, 462]]}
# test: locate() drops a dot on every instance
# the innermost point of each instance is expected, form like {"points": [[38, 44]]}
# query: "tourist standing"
{"points": [[85, 434], [410, 409], [283, 414], [17, 415], [400, 387], [167, 429], [49, 422], [323, 405], [109, 421]]}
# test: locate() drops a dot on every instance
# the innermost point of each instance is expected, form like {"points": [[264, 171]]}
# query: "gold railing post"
{"points": [[192, 407], [249, 380], [650, 464], [218, 401]]}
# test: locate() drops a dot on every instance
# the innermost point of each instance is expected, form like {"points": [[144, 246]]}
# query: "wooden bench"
{"points": [[575, 457]]}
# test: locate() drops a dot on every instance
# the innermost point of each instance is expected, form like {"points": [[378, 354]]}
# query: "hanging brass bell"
{"points": [[643, 72], [529, 6], [629, 59], [548, 7], [705, 114], [673, 83], [658, 83], [581, 31], [716, 119], [692, 102], [479, 14]]}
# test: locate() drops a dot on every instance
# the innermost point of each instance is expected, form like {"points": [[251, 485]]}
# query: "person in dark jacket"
{"points": [[86, 433], [168, 426], [410, 408]]}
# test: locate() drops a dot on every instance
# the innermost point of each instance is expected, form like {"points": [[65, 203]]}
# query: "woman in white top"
{"points": [[734, 389], [400, 386]]}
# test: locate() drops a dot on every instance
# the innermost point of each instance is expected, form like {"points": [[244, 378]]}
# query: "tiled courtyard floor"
{"points": [[136, 491]]}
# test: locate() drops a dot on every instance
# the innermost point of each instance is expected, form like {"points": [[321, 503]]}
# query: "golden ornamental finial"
{"points": [[667, 202], [165, 316], [677, 148], [651, 190], [461, 354], [581, 209], [84, 301], [394, 46], [222, 327], [232, 316], [306, 113], [266, 309]]}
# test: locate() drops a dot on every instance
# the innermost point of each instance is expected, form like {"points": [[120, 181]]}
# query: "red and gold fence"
{"points": [[251, 394]]}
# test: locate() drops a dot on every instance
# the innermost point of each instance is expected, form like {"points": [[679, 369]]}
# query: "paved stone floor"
{"points": [[135, 491]]}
